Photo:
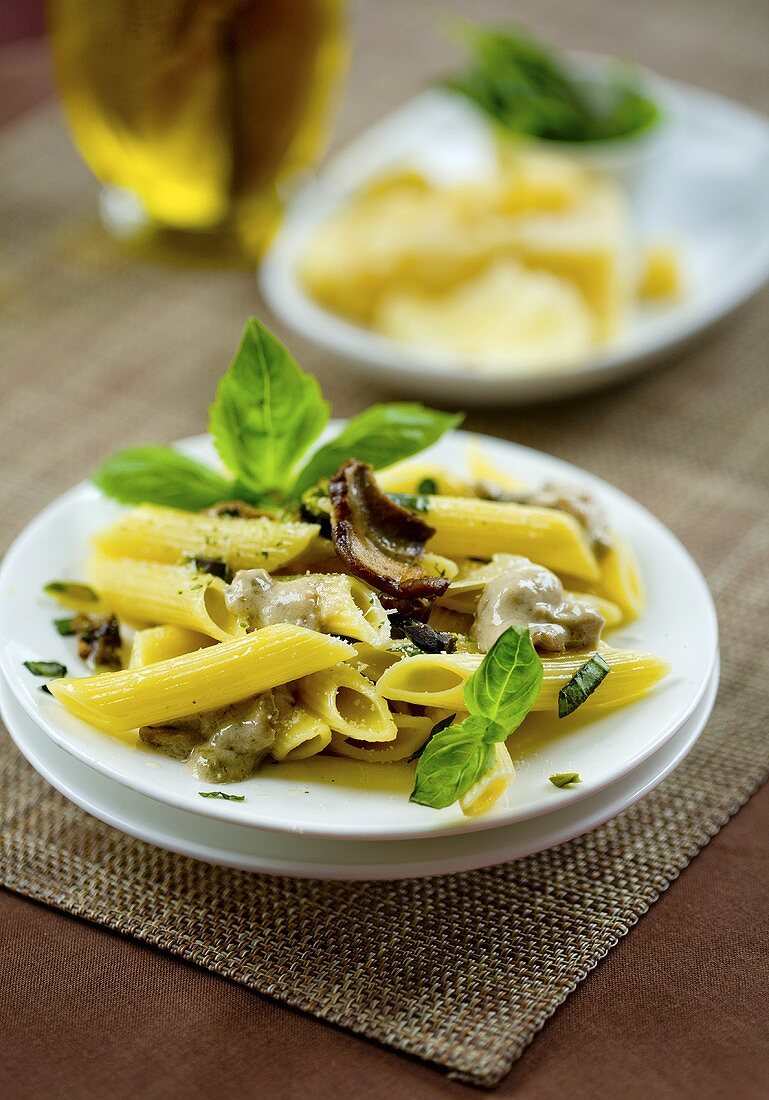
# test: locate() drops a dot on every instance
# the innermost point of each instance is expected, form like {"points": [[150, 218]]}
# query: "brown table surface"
{"points": [[680, 1008]]}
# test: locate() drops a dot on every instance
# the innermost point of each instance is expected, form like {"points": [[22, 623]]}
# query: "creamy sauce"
{"points": [[528, 595], [238, 738], [256, 597], [227, 744]]}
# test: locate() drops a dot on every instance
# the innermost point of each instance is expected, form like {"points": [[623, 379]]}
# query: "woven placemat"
{"points": [[459, 971]]}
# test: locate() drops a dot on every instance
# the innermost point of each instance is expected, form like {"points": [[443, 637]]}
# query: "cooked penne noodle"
{"points": [[491, 786], [413, 732], [195, 682], [172, 536], [348, 703], [353, 609], [372, 661], [300, 735], [160, 643], [151, 592], [446, 619], [620, 579], [483, 469], [466, 528], [439, 679], [407, 477]]}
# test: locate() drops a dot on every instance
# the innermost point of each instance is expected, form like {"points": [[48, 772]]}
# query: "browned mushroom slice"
{"points": [[377, 540]]}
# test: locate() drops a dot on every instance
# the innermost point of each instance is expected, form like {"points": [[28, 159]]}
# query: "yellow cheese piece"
{"points": [[391, 257], [504, 315], [661, 273]]}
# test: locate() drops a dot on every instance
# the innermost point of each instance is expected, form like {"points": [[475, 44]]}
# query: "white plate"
{"points": [[341, 798], [706, 189], [304, 857]]}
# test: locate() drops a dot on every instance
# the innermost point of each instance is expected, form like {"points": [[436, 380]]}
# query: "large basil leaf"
{"points": [[381, 435], [453, 760], [160, 475], [506, 685], [266, 414]]}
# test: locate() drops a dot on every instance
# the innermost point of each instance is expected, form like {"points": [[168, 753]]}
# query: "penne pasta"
{"points": [[172, 536], [484, 470], [200, 681], [413, 732], [151, 592], [372, 661], [160, 643], [491, 786], [300, 735], [407, 477], [438, 680], [481, 528], [348, 703], [620, 579]]}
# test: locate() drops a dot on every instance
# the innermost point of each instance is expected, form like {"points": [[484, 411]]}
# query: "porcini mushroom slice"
{"points": [[377, 540]]}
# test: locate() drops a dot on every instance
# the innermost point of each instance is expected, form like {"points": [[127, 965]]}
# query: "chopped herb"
{"points": [[213, 567], [45, 688], [52, 670], [427, 487], [442, 725], [70, 594], [221, 794], [413, 502], [582, 684], [65, 627], [565, 779]]}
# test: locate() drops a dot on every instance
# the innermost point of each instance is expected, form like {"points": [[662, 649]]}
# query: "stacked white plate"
{"points": [[338, 819]]}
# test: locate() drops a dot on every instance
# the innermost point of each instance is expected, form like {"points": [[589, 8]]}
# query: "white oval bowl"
{"points": [[706, 190], [330, 797]]}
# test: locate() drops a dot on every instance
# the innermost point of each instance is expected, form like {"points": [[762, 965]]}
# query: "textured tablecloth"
{"points": [[99, 351]]}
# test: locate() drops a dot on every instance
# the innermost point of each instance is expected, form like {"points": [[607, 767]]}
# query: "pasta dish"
{"points": [[362, 604]]}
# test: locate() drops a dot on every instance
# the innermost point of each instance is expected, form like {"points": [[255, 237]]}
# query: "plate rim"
{"points": [[285, 297], [223, 811]]}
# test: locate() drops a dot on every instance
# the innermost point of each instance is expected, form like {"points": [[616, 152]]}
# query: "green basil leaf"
{"points": [[53, 670], [528, 88], [160, 475], [65, 627], [505, 686], [381, 435], [454, 760], [221, 794], [582, 684], [266, 414], [565, 779]]}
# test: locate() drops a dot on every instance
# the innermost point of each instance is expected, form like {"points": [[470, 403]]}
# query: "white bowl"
{"points": [[704, 186], [338, 798]]}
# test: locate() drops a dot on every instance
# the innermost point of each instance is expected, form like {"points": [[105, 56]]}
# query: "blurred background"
{"points": [[101, 328]]}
